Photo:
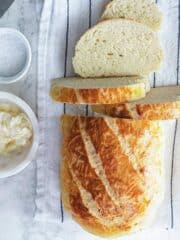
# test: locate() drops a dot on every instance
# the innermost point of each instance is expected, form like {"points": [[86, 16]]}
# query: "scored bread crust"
{"points": [[160, 111], [117, 47], [74, 206], [110, 95], [111, 174], [143, 11]]}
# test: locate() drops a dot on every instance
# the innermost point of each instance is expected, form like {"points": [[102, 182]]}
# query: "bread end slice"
{"points": [[100, 90], [160, 104]]}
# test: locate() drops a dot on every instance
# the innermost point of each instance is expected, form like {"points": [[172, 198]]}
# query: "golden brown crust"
{"points": [[160, 111], [72, 203], [71, 197], [120, 94], [92, 145], [110, 157]]}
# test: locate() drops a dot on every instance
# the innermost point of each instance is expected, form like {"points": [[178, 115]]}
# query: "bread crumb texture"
{"points": [[143, 11], [117, 48]]}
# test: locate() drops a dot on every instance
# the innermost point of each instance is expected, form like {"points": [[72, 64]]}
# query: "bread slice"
{"points": [[117, 48], [104, 180], [144, 11], [161, 103], [100, 90]]}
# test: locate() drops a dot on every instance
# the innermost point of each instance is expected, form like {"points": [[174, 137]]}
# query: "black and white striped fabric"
{"points": [[62, 24]]}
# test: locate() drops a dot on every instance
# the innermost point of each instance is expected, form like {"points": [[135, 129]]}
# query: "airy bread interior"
{"points": [[117, 48], [143, 11]]}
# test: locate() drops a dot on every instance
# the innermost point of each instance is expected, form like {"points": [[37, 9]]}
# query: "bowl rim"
{"points": [[35, 143], [27, 65]]}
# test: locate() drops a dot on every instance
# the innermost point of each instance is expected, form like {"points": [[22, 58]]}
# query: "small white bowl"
{"points": [[15, 56], [16, 163]]}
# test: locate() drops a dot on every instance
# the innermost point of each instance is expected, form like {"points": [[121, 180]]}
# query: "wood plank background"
{"points": [[17, 193]]}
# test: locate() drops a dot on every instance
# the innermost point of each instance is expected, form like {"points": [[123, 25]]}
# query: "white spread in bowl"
{"points": [[15, 130]]}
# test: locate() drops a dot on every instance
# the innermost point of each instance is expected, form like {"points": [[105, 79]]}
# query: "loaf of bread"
{"points": [[112, 174], [117, 48], [100, 90], [161, 103], [144, 11]]}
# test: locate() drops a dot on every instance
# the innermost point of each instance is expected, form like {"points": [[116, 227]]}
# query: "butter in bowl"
{"points": [[19, 135]]}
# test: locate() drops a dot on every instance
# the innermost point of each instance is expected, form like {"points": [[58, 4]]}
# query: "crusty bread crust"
{"points": [[162, 103], [103, 175], [112, 95], [143, 11], [160, 111]]}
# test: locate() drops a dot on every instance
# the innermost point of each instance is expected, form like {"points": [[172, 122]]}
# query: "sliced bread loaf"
{"points": [[117, 48], [100, 90], [161, 103], [143, 11]]}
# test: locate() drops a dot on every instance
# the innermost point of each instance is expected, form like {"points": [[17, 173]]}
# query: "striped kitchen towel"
{"points": [[62, 23]]}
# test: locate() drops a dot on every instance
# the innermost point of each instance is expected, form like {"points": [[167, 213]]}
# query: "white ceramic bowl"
{"points": [[15, 56], [15, 163]]}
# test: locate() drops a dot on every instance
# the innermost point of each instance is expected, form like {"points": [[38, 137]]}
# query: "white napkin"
{"points": [[62, 24]]}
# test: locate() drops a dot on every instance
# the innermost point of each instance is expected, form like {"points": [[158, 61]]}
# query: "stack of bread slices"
{"points": [[112, 174]]}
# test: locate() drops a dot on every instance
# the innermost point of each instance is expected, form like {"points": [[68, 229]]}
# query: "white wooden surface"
{"points": [[69, 19], [17, 193]]}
